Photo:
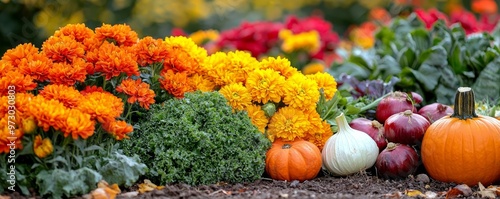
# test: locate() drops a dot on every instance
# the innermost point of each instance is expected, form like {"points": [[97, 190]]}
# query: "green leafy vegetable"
{"points": [[199, 140]]}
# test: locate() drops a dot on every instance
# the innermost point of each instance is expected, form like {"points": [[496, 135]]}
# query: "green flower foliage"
{"points": [[199, 140]]}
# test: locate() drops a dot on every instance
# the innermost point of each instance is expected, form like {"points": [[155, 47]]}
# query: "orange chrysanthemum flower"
{"points": [[137, 91], [202, 37], [183, 55], [9, 141], [67, 95], [265, 85], [201, 82], [120, 34], [314, 67], [19, 81], [91, 89], [258, 117], [150, 51], [301, 92], [236, 95], [63, 49], [22, 51], [37, 66], [288, 123], [78, 124], [281, 65], [48, 113], [326, 82], [102, 106], [118, 129], [68, 74], [42, 148], [5, 67], [231, 67], [175, 83], [112, 61], [320, 136], [78, 32]]}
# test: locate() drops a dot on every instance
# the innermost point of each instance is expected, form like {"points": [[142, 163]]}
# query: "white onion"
{"points": [[348, 151]]}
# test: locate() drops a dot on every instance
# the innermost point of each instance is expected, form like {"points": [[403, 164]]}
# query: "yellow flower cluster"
{"points": [[249, 84], [306, 41]]}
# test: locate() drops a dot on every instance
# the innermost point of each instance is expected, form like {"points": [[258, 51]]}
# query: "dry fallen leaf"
{"points": [[496, 188], [148, 186], [413, 193], [104, 191], [486, 193], [459, 190]]}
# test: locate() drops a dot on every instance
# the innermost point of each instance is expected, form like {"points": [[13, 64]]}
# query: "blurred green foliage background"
{"points": [[34, 20]]}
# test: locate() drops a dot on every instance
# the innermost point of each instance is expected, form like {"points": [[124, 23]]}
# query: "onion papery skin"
{"points": [[397, 161], [373, 128], [406, 128], [392, 104], [435, 111], [348, 151]]}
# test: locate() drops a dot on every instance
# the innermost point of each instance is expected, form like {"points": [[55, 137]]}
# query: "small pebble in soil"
{"points": [[423, 178]]}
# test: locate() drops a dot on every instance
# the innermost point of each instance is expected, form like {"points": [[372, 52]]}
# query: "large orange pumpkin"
{"points": [[293, 160], [463, 147]]}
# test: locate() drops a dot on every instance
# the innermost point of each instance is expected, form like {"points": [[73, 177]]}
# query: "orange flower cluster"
{"points": [[137, 91]]}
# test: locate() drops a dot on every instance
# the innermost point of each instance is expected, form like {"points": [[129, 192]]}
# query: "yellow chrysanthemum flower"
{"points": [[282, 65], [306, 41], [320, 136], [265, 85], [203, 36], [42, 148], [301, 92], [184, 55], [231, 67], [325, 81], [237, 95], [258, 117], [28, 125], [312, 68], [201, 82], [288, 123]]}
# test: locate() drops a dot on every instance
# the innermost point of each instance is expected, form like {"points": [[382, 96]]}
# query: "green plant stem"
{"points": [[374, 103]]}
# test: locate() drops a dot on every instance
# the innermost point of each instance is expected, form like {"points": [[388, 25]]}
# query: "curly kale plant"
{"points": [[199, 140]]}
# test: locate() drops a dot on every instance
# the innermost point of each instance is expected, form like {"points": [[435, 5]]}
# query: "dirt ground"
{"points": [[324, 186], [364, 185]]}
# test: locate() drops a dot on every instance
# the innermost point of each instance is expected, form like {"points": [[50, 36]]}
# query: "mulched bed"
{"points": [[354, 186], [362, 185]]}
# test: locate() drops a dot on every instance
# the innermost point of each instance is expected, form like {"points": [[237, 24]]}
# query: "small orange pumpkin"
{"points": [[293, 160], [463, 147]]}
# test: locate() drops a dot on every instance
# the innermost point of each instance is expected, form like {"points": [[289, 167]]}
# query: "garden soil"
{"points": [[361, 185], [354, 186]]}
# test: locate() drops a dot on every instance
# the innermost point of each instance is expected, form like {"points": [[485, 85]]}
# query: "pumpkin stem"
{"points": [[286, 146], [464, 107]]}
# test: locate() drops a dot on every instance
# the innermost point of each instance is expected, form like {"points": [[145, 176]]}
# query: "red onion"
{"points": [[435, 111], [397, 161], [371, 127], [392, 104], [417, 98], [406, 128]]}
